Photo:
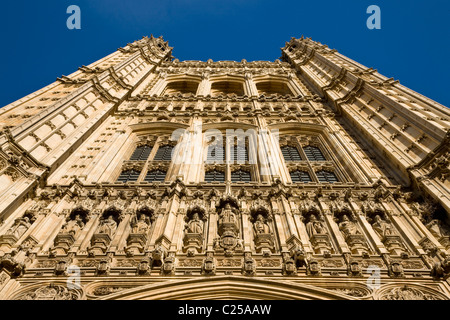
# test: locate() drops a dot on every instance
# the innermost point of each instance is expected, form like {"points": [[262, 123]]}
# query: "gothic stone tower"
{"points": [[144, 177]]}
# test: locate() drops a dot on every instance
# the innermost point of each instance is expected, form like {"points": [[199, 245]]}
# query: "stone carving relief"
{"points": [[51, 292], [248, 265], [352, 234], [105, 231], [18, 229], [194, 229], [262, 232], [70, 231], [408, 293], [228, 228], [441, 269], [387, 234], [317, 232], [209, 266], [140, 225]]}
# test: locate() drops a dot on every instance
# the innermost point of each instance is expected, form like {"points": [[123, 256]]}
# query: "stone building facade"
{"points": [[144, 177]]}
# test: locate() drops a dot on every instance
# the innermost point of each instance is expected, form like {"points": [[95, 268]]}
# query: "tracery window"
{"points": [[239, 153], [300, 176], [241, 176], [214, 176], [141, 153], [129, 176], [314, 153], [216, 153], [291, 153], [309, 160], [155, 176], [164, 153], [326, 176]]}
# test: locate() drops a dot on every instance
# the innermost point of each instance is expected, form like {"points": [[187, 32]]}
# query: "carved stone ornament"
{"points": [[52, 292], [168, 267], [441, 269], [396, 269], [249, 266], [354, 269], [289, 267], [409, 293], [209, 266]]}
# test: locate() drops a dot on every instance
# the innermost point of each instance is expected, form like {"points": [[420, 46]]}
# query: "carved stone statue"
{"points": [[195, 225], [107, 226], [20, 226], [382, 227], [437, 228], [227, 215], [140, 226], [441, 269], [315, 226], [73, 226], [260, 225], [348, 227]]}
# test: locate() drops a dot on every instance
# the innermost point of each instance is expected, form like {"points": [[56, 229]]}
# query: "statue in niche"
{"points": [[140, 226], [107, 226], [73, 226], [348, 227], [19, 227], [315, 226], [260, 225], [382, 227], [195, 225], [437, 228], [227, 215]]}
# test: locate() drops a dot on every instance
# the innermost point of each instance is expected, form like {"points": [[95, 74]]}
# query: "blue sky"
{"points": [[412, 46]]}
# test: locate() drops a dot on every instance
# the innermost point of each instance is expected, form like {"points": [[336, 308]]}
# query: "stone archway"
{"points": [[226, 287]]}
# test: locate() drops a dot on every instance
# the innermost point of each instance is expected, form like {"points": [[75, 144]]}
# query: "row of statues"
{"points": [[315, 225]]}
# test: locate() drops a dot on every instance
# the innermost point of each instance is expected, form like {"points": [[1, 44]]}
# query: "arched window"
{"points": [[241, 176], [314, 153], [129, 176], [214, 176], [273, 87], [164, 153], [300, 176], [240, 153], [227, 87], [181, 87], [326, 176], [216, 153], [155, 176], [141, 153], [290, 153]]}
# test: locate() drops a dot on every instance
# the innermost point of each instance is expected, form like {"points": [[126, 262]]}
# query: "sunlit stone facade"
{"points": [[121, 177]]}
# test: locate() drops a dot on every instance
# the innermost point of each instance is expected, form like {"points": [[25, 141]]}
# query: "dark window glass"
{"points": [[314, 154], [216, 153], [241, 176], [326, 176], [129, 175], [141, 153], [155, 175], [300, 176], [215, 176], [240, 153], [164, 153], [291, 153]]}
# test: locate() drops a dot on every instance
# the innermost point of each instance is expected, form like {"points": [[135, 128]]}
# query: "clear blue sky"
{"points": [[412, 46]]}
